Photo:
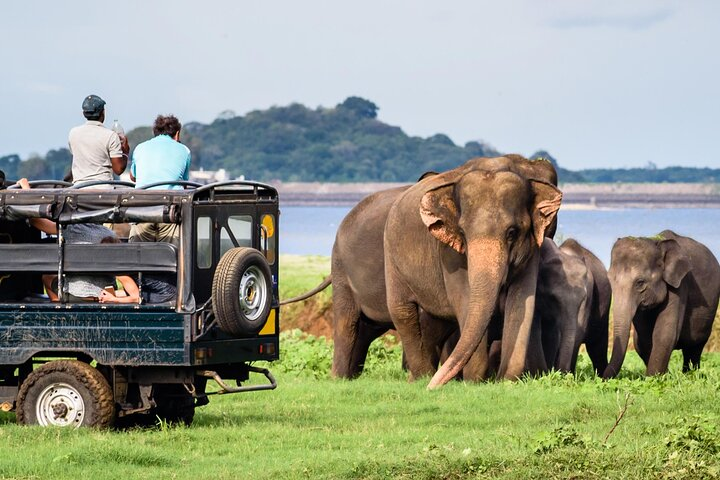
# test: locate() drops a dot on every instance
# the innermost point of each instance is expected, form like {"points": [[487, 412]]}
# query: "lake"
{"points": [[311, 230]]}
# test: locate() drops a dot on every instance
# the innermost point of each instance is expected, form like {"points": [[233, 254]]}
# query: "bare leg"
{"points": [[47, 281]]}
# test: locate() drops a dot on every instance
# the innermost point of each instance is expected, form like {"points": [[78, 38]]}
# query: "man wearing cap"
{"points": [[97, 151]]}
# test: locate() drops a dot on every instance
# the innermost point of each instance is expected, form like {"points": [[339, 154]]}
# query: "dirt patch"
{"points": [[311, 316]]}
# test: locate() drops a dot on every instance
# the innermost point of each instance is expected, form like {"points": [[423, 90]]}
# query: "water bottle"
{"points": [[117, 128]]}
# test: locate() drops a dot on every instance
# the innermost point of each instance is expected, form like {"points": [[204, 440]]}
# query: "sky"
{"points": [[597, 83]]}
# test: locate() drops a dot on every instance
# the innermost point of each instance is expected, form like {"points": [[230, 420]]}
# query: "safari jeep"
{"points": [[85, 363]]}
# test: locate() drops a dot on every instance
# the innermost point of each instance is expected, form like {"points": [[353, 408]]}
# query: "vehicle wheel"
{"points": [[66, 393], [242, 291]]}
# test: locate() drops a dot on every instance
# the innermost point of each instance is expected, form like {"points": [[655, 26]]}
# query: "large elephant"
{"points": [[457, 242], [596, 337], [668, 287]]}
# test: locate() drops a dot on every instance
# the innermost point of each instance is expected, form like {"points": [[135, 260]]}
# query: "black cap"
{"points": [[93, 105]]}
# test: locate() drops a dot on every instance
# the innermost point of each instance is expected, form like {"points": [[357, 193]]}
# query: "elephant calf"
{"points": [[562, 311], [596, 336], [668, 287]]}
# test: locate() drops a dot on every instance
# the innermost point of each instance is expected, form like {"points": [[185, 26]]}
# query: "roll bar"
{"points": [[93, 183], [183, 183]]}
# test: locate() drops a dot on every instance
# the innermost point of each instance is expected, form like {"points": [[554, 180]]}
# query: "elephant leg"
{"points": [[494, 358], [666, 333], [419, 355], [476, 368], [439, 336], [346, 316], [368, 331], [519, 312], [643, 346], [691, 358], [596, 343], [550, 340], [536, 361]]}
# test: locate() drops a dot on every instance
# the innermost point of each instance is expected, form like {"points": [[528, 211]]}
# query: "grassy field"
{"points": [[380, 426]]}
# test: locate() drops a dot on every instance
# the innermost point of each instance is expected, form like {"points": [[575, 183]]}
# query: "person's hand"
{"points": [[124, 145], [24, 184], [107, 297]]}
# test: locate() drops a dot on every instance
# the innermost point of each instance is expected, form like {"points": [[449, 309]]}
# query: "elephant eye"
{"points": [[512, 234], [640, 284]]}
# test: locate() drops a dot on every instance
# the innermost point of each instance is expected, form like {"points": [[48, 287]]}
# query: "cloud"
{"points": [[633, 21]]}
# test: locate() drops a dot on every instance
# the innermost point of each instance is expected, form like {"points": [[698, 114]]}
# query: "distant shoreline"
{"points": [[576, 196]]}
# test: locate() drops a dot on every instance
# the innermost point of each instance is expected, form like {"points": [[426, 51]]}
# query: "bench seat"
{"points": [[106, 257]]}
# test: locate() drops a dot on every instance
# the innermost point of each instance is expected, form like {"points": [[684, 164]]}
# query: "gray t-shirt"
{"points": [[92, 146], [87, 285]]}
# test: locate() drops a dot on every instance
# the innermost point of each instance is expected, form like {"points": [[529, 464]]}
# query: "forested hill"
{"points": [[344, 143]]}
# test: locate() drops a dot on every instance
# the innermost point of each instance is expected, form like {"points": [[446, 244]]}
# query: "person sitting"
{"points": [[130, 291], [160, 159], [80, 287]]}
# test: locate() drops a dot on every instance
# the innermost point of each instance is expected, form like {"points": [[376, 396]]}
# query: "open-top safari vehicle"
{"points": [[89, 363]]}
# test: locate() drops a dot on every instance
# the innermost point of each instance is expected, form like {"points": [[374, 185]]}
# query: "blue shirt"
{"points": [[160, 159]]}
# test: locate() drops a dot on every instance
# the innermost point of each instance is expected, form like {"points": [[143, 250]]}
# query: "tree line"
{"points": [[346, 143]]}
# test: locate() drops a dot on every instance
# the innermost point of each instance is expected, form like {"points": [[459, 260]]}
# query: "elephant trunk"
{"points": [[623, 312], [487, 268]]}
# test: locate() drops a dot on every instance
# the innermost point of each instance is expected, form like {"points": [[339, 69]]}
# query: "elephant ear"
{"points": [[440, 214], [429, 173], [546, 203], [676, 263]]}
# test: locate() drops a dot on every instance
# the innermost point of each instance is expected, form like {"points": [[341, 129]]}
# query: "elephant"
{"points": [[596, 338], [457, 242], [668, 287], [360, 312]]}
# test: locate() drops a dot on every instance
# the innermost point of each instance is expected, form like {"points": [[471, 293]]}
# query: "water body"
{"points": [[311, 230]]}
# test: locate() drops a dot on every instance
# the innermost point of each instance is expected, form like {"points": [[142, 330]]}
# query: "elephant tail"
{"points": [[325, 283]]}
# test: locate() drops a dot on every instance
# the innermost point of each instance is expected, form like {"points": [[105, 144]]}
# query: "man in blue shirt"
{"points": [[160, 159], [163, 158]]}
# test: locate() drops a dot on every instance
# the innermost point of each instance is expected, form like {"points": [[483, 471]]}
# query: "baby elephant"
{"points": [[572, 307], [668, 286]]}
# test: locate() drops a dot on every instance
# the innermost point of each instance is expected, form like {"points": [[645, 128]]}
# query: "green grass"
{"points": [[380, 426], [298, 274]]}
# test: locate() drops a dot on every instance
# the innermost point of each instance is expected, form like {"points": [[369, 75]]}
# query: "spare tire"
{"points": [[242, 291]]}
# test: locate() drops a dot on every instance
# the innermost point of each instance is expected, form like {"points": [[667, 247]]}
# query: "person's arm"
{"points": [[186, 174], [119, 148], [130, 288], [132, 168], [43, 224]]}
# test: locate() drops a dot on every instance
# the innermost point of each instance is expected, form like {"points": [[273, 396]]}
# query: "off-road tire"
{"points": [[237, 268], [72, 376]]}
